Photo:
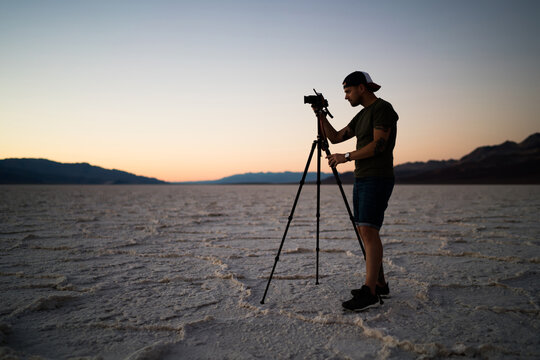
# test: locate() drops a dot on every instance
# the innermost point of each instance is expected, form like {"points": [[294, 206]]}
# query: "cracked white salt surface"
{"points": [[168, 272]]}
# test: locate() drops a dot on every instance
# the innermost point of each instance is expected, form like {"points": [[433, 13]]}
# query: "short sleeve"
{"points": [[385, 116]]}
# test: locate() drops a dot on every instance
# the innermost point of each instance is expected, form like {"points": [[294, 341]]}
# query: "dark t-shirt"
{"points": [[380, 113]]}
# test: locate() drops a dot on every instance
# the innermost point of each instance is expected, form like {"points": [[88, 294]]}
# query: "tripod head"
{"points": [[318, 103]]}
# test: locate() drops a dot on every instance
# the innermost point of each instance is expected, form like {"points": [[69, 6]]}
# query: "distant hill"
{"points": [[507, 163], [41, 171], [286, 177]]}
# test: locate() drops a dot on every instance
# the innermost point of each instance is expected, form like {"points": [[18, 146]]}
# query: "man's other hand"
{"points": [[335, 159]]}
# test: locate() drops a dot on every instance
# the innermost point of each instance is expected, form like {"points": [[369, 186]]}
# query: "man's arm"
{"points": [[377, 146], [334, 136]]}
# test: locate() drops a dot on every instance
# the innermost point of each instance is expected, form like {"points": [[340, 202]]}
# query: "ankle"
{"points": [[371, 289]]}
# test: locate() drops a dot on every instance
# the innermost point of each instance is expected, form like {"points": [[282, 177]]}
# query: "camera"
{"points": [[318, 101]]}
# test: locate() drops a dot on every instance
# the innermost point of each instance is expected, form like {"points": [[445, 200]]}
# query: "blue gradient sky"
{"points": [[205, 89]]}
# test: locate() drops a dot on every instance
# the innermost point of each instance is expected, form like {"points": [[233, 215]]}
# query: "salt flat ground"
{"points": [[170, 272]]}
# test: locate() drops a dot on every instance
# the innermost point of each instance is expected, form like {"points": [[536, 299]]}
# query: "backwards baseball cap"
{"points": [[360, 77]]}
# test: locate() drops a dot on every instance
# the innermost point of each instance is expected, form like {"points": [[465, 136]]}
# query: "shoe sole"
{"points": [[375, 305], [382, 296]]}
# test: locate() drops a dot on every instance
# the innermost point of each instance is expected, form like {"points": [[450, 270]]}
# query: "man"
{"points": [[375, 130]]}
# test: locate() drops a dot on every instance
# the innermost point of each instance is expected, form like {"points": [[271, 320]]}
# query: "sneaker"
{"points": [[383, 291], [363, 300]]}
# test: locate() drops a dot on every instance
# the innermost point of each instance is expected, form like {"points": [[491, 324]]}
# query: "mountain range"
{"points": [[287, 177], [42, 171], [506, 163]]}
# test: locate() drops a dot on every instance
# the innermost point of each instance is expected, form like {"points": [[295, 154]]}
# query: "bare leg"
{"points": [[374, 253]]}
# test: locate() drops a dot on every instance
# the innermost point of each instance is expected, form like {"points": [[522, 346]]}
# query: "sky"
{"points": [[200, 90]]}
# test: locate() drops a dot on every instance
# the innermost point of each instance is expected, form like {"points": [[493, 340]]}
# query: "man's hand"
{"points": [[319, 112], [335, 159]]}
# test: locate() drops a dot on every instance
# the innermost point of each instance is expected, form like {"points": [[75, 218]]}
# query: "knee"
{"points": [[368, 234]]}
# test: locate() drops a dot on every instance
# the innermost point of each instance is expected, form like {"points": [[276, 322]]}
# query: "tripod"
{"points": [[321, 143]]}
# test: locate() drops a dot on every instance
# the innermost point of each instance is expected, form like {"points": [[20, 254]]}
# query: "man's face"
{"points": [[354, 94]]}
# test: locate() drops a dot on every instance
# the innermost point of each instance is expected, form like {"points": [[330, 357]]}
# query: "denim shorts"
{"points": [[370, 200]]}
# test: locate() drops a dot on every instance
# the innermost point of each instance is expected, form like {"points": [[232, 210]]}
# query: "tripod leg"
{"points": [[318, 208], [290, 217], [338, 181]]}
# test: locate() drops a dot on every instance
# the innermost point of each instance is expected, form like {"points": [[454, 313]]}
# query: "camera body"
{"points": [[318, 101]]}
